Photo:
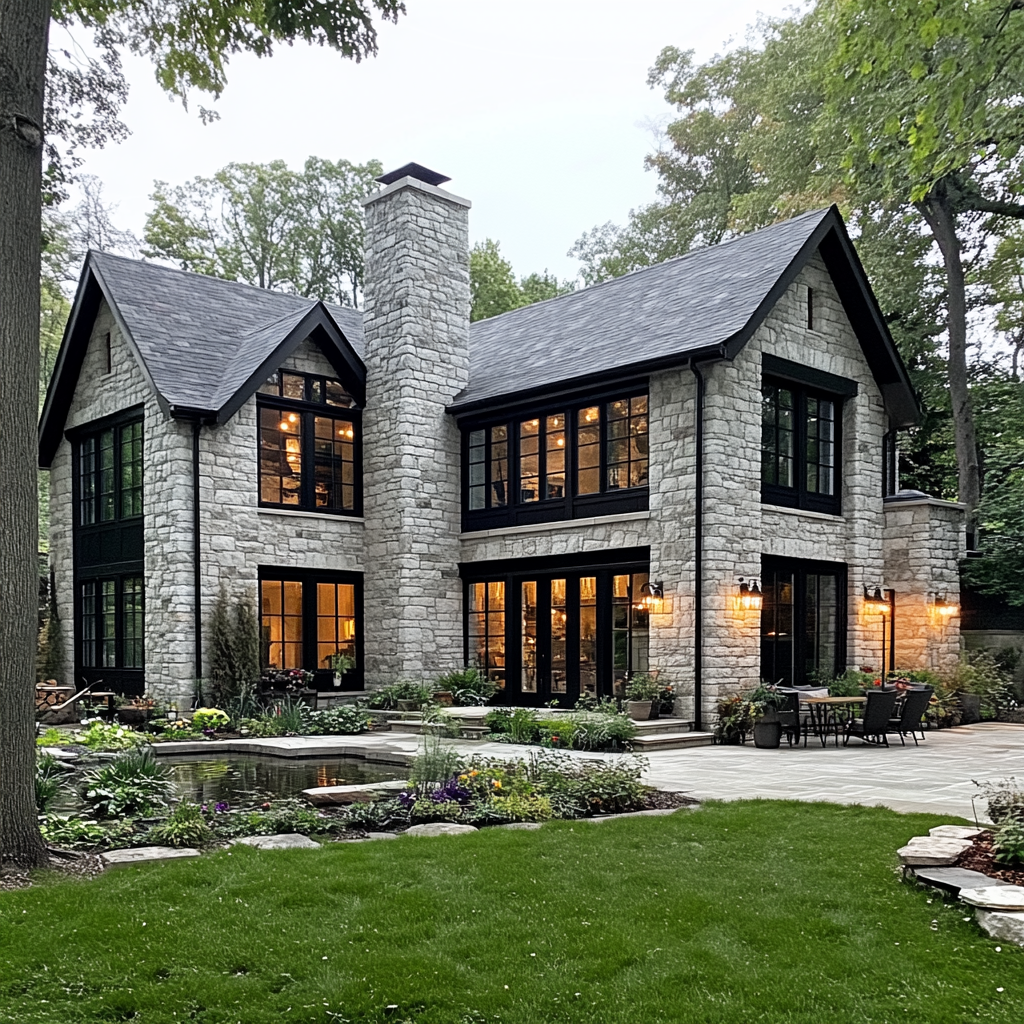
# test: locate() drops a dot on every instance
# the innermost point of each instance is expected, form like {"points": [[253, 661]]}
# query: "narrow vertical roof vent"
{"points": [[413, 170]]}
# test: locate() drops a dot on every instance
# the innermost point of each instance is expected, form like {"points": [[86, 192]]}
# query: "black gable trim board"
{"points": [[786, 369]]}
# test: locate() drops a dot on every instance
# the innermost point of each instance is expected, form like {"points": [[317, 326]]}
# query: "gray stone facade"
{"points": [[409, 544]]}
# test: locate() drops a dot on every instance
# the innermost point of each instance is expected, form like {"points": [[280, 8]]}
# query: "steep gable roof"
{"points": [[203, 344], [701, 306]]}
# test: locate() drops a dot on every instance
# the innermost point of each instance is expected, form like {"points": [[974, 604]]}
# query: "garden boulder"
{"points": [[439, 828], [287, 841]]}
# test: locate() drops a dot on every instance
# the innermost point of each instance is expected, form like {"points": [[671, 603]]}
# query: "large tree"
{"points": [[190, 45], [267, 225], [493, 286], [907, 113]]}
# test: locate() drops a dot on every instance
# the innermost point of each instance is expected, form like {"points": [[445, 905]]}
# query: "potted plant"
{"points": [[411, 696], [135, 710], [643, 696], [764, 704], [340, 664]]}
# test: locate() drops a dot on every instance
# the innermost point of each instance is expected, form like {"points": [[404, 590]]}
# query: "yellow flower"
{"points": [[462, 778], [473, 773], [495, 783]]}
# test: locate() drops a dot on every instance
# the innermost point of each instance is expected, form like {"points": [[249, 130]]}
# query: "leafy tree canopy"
{"points": [[494, 288], [267, 225]]}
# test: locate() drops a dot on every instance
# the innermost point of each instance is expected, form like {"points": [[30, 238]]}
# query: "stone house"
{"points": [[689, 468]]}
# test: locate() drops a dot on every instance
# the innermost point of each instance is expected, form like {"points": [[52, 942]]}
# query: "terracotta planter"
{"points": [[444, 697], [410, 705], [639, 710]]}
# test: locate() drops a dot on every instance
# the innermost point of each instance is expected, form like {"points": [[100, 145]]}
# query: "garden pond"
{"points": [[246, 779]]}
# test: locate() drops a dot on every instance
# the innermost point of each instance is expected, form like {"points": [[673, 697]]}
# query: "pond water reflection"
{"points": [[247, 779]]}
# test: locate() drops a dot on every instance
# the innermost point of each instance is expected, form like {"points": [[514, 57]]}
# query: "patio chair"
{"points": [[875, 723], [789, 715], [915, 703]]}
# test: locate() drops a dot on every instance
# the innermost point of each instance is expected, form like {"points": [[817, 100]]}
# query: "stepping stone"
{"points": [[59, 753], [995, 897], [371, 836], [932, 851], [145, 855], [954, 832], [439, 828], [321, 795], [1001, 924], [955, 879], [288, 841], [526, 825]]}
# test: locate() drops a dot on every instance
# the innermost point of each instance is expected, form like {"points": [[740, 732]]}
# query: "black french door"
{"points": [[803, 620], [554, 634]]}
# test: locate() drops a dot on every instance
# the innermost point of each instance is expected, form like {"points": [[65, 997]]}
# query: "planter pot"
{"points": [[639, 710], [970, 704], [134, 716], [655, 709], [444, 697], [410, 705], [767, 735], [336, 680]]}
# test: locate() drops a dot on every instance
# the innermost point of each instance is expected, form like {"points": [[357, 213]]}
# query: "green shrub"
{"points": [[209, 718], [979, 674], [1004, 799], [1008, 841], [53, 737], [377, 815], [580, 788], [849, 684], [186, 826], [133, 783], [337, 721], [71, 832], [387, 697], [51, 777], [102, 736], [469, 686], [643, 686], [283, 816], [601, 706]]}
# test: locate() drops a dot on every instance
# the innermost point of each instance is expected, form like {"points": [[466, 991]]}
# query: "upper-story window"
{"points": [[581, 460], [800, 447], [309, 444], [110, 474]]}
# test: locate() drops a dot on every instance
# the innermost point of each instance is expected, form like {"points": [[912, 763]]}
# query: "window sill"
{"points": [[560, 524], [803, 512], [302, 514]]}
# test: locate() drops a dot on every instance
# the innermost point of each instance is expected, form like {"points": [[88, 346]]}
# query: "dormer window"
{"points": [[309, 445]]}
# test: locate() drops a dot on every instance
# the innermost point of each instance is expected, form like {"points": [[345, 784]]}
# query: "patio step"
{"points": [[671, 740], [653, 726]]}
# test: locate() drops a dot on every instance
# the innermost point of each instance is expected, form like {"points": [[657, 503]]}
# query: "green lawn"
{"points": [[742, 912]]}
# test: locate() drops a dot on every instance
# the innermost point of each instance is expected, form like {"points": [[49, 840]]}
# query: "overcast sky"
{"points": [[538, 110]]}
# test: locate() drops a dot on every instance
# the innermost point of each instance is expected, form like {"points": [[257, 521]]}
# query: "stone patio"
{"points": [[933, 777]]}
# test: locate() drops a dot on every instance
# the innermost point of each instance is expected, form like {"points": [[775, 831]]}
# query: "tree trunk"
{"points": [[24, 27], [938, 212]]}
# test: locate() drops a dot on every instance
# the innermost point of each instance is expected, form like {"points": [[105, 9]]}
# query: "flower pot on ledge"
{"points": [[639, 710]]}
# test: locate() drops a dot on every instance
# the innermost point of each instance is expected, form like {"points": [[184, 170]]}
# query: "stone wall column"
{"points": [[417, 360], [923, 543]]}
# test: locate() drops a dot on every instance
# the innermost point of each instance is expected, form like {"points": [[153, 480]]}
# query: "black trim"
{"points": [[785, 369], [606, 502], [799, 496], [322, 679], [197, 564], [606, 559], [801, 568], [698, 550]]}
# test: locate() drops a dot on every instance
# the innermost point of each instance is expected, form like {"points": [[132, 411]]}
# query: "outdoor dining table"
{"points": [[823, 714]]}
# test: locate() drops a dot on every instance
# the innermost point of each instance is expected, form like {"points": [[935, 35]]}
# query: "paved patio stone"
{"points": [[324, 795], [288, 841], [145, 855]]}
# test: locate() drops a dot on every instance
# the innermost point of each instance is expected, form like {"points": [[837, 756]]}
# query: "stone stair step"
{"points": [[672, 740], [653, 726]]}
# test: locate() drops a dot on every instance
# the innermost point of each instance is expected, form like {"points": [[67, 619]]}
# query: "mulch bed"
{"points": [[65, 864], [979, 858], [659, 799]]}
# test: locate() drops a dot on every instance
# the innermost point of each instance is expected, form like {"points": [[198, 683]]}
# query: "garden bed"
{"points": [[981, 857]]}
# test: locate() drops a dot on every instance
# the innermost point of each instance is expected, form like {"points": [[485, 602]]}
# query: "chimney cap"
{"points": [[413, 170]]}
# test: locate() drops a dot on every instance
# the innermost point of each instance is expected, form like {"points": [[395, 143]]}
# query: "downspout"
{"points": [[698, 551], [197, 569]]}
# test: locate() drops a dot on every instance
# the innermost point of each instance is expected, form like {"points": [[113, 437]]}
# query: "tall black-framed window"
{"points": [[109, 581], [306, 617], [803, 620], [309, 445], [555, 628], [801, 446], [585, 458]]}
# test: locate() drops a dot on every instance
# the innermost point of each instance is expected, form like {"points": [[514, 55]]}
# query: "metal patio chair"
{"points": [[915, 703], [872, 728]]}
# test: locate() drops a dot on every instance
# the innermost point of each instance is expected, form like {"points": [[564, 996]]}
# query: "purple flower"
{"points": [[221, 806], [407, 799]]}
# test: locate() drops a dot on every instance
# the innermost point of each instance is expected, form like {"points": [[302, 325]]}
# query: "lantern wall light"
{"points": [[943, 608], [749, 597], [875, 602], [652, 597]]}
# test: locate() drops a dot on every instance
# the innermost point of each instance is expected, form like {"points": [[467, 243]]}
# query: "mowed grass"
{"points": [[753, 911]]}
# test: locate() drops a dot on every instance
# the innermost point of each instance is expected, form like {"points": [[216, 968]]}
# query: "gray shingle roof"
{"points": [[201, 337], [687, 304]]}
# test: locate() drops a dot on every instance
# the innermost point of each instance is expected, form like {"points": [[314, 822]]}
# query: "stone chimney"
{"points": [[416, 324]]}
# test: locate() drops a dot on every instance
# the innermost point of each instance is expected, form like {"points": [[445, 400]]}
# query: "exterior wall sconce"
{"points": [[652, 597], [944, 609], [749, 598], [875, 602]]}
